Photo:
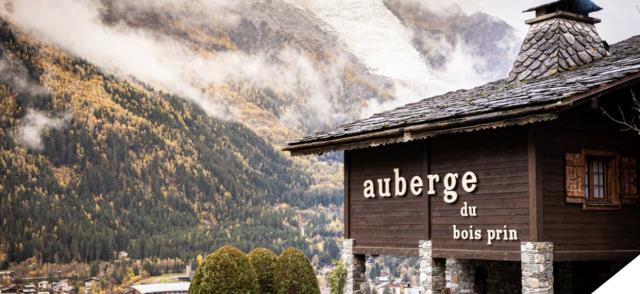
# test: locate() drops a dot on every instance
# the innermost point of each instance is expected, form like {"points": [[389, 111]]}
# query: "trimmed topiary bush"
{"points": [[227, 270], [264, 263], [294, 274]]}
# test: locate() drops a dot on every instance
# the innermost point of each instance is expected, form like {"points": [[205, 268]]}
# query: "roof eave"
{"points": [[407, 134], [512, 117]]}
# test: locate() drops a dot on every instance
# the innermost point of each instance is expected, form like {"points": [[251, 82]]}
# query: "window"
{"points": [[593, 179]]}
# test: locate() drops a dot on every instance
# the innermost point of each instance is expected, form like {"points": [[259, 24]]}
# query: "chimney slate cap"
{"points": [[583, 7], [563, 14]]}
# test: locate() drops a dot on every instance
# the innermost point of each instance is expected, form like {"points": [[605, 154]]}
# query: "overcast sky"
{"points": [[620, 18]]}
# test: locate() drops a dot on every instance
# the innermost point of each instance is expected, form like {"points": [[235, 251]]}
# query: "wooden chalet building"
{"points": [[521, 185]]}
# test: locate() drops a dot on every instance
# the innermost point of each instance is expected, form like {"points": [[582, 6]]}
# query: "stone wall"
{"points": [[432, 271], [460, 275], [356, 280], [537, 267]]}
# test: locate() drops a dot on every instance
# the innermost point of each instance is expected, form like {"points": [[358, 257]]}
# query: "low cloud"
{"points": [[393, 47], [76, 26], [171, 66], [311, 91], [458, 72], [32, 126], [220, 12], [14, 74]]}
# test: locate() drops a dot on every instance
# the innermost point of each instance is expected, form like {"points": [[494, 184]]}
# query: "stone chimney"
{"points": [[562, 36]]}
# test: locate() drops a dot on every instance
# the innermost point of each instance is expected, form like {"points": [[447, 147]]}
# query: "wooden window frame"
{"points": [[611, 199], [596, 192], [576, 165]]}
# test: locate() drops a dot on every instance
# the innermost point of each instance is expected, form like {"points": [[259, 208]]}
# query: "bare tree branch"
{"points": [[631, 124]]}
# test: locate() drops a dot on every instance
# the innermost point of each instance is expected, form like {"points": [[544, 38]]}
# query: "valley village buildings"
{"points": [[526, 184]]}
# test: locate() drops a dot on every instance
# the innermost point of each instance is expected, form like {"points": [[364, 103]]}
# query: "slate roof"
{"points": [[497, 98], [556, 45]]}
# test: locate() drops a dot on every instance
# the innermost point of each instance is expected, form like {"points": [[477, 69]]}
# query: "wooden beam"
{"points": [[426, 169], [500, 255], [535, 188], [386, 251], [347, 196]]}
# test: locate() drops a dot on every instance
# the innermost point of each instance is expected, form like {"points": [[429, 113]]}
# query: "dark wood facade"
{"points": [[580, 234], [383, 226], [521, 184], [500, 160]]}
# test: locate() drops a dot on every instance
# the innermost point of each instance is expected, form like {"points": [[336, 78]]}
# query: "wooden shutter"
{"points": [[574, 177], [629, 170], [613, 181]]}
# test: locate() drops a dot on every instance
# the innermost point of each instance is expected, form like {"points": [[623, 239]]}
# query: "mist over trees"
{"points": [[133, 169]]}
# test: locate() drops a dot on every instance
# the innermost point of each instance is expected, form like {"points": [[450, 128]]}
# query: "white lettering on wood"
{"points": [[416, 186], [400, 183], [469, 181], [450, 182]]}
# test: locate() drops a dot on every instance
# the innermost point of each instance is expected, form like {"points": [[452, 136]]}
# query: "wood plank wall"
{"points": [[394, 226], [386, 226], [500, 160], [578, 234]]}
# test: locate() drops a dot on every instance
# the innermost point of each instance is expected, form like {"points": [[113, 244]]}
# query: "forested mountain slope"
{"points": [[91, 164]]}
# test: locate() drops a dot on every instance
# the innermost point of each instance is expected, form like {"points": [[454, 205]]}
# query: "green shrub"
{"points": [[264, 262], [194, 287], [227, 270], [294, 274], [336, 277]]}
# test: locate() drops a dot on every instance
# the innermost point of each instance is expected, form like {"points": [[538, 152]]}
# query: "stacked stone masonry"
{"points": [[460, 275], [537, 267], [355, 282], [432, 271]]}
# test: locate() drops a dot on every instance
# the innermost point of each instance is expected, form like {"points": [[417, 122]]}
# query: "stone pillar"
{"points": [[432, 278], [537, 267], [460, 275], [356, 280]]}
